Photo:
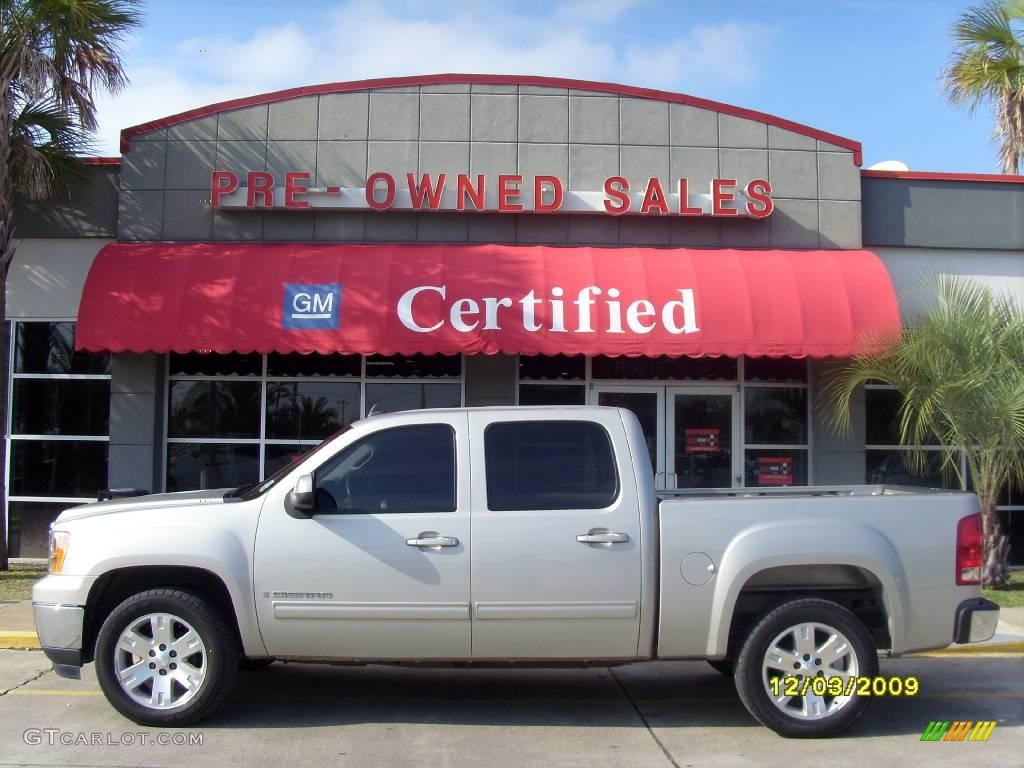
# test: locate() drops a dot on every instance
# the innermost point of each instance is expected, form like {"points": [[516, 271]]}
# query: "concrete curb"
{"points": [[18, 641], [979, 649]]}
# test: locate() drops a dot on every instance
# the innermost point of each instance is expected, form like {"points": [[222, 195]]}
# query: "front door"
{"points": [[701, 438], [692, 432], [381, 569]]}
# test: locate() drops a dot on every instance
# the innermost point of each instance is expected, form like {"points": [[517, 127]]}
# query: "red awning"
{"points": [[449, 299]]}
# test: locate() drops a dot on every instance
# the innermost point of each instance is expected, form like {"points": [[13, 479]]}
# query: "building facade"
{"points": [[250, 277]]}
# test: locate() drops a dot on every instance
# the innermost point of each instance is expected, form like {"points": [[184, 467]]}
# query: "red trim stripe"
{"points": [[997, 178], [451, 78], [99, 160]]}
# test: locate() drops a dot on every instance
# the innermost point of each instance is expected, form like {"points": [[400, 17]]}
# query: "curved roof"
{"points": [[450, 78]]}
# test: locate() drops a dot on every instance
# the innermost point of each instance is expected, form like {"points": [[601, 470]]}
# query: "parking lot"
{"points": [[662, 714]]}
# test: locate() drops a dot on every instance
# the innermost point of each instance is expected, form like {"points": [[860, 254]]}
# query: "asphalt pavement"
{"points": [[677, 714]]}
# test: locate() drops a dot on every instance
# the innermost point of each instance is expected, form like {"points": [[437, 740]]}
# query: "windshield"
{"points": [[255, 490]]}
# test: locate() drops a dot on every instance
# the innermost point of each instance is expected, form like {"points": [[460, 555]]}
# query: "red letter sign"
{"points": [[291, 189], [654, 198], [465, 191], [506, 192], [618, 188], [759, 191], [685, 209], [433, 194], [538, 194], [719, 196], [222, 183], [265, 189], [389, 196]]}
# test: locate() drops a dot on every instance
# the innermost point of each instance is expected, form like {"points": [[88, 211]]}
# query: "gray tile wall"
{"points": [[583, 137]]}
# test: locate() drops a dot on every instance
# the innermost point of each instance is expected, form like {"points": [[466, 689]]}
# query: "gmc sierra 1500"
{"points": [[503, 535]]}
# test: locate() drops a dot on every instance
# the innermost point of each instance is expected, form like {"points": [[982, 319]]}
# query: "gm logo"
{"points": [[311, 306]]}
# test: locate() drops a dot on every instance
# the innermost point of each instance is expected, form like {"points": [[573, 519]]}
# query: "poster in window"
{"points": [[703, 441], [775, 470]]}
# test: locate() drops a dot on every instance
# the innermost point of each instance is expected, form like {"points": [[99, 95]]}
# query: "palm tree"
{"points": [[988, 66], [960, 368], [54, 55]]}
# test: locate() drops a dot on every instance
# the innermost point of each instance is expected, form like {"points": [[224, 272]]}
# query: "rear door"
{"points": [[556, 558]]}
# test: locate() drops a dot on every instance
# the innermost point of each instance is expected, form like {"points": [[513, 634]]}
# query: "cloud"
{"points": [[360, 39]]}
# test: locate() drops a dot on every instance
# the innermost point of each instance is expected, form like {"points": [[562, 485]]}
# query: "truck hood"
{"points": [[137, 503]]}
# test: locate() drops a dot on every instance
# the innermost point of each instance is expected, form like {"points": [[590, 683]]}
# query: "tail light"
{"points": [[969, 546]]}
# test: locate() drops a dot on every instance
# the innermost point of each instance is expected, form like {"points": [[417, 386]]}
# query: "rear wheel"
{"points": [[798, 642], [166, 658]]}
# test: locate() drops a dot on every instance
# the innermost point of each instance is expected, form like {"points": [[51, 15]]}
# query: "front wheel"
{"points": [[166, 658], [788, 649]]}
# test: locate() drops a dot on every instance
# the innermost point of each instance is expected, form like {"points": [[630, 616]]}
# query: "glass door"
{"points": [[648, 403], [702, 444]]}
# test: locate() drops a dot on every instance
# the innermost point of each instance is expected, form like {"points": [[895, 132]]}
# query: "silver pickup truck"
{"points": [[508, 535]]}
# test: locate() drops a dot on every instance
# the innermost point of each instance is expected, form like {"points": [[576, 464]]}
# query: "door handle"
{"points": [[432, 539], [602, 537]]}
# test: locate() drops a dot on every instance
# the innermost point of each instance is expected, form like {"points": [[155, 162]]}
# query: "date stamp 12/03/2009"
{"points": [[836, 685]]}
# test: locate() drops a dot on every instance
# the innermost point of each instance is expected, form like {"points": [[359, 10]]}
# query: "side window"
{"points": [[405, 469], [549, 465]]}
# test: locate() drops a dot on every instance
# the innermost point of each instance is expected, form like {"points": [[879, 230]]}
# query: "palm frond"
{"points": [[987, 66], [45, 146]]}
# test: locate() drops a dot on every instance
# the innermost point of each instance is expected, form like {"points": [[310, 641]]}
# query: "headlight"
{"points": [[59, 541]]}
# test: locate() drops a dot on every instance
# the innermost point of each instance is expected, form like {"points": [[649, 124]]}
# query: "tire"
{"points": [[254, 665], [174, 683], [805, 716], [722, 666]]}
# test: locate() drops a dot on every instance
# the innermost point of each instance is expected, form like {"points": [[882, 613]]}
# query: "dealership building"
{"points": [[249, 277]]}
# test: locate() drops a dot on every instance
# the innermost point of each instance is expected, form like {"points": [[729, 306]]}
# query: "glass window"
{"points": [[775, 369], [60, 407], [28, 527], [551, 367], [890, 467], [882, 416], [300, 400], [308, 410], [775, 467], [222, 408], [405, 469], [551, 394], [213, 364], [50, 348], [679, 368], [277, 457], [549, 465], [405, 396], [75, 468], [775, 415], [206, 465], [296, 364], [414, 366]]}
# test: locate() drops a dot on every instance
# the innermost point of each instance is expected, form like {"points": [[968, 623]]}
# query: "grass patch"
{"points": [[16, 584], [1010, 596]]}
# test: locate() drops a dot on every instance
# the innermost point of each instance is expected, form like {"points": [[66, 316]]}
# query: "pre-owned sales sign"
{"points": [[504, 193]]}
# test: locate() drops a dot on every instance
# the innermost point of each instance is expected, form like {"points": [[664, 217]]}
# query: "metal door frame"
{"points": [[593, 396], [670, 429]]}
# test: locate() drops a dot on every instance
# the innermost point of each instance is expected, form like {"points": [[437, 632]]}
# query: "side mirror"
{"points": [[301, 500]]}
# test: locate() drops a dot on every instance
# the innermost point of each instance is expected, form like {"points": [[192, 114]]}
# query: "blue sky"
{"points": [[865, 69]]}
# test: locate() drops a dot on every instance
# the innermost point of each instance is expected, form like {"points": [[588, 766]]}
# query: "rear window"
{"points": [[549, 465]]}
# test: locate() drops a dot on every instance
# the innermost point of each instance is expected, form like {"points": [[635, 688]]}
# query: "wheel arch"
{"points": [[114, 586], [851, 564]]}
